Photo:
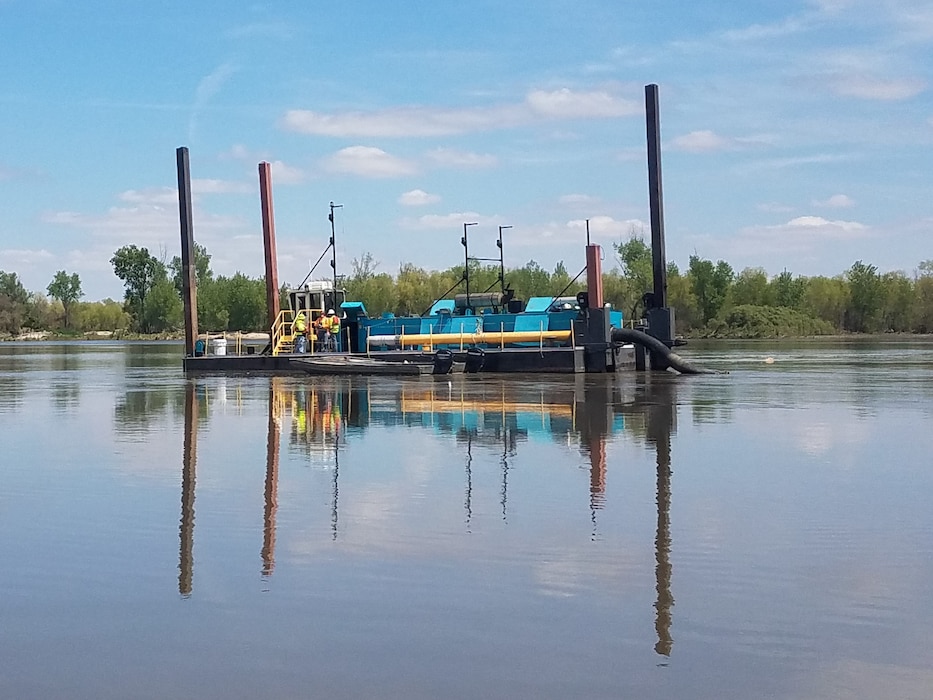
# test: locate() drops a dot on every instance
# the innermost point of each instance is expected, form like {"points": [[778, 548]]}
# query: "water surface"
{"points": [[765, 533]]}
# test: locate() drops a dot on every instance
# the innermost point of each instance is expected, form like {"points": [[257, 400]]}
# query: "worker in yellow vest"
{"points": [[331, 325], [300, 329]]}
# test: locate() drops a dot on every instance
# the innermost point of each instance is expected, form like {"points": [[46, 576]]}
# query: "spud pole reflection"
{"points": [[593, 419], [660, 423], [272, 483], [655, 404], [484, 415], [189, 460]]}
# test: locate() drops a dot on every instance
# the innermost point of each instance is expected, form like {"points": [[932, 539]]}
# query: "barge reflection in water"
{"points": [[322, 414]]}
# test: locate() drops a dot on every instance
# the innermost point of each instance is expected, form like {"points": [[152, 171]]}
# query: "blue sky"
{"points": [[796, 135]]}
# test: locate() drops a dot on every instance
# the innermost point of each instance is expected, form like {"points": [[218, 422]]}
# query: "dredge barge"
{"points": [[484, 332]]}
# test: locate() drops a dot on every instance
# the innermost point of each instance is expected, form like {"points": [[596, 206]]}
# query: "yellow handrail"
{"points": [[282, 330]]}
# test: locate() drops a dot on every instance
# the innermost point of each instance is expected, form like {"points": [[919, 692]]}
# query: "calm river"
{"points": [[766, 533]]}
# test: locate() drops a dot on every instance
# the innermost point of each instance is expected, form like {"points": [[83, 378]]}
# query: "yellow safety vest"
{"points": [[300, 323]]}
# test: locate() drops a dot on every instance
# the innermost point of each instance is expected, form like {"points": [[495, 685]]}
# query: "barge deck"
{"points": [[400, 363]]}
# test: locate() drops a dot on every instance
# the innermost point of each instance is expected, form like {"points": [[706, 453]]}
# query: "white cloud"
{"points": [[454, 220], [538, 105], [837, 201], [704, 141], [871, 87], [152, 196], [417, 198], [759, 32], [578, 200], [774, 207], [802, 242], [453, 158], [168, 196], [916, 21], [209, 186], [16, 259], [866, 73], [367, 161], [149, 223], [568, 104], [820, 222], [240, 152], [795, 161], [286, 174], [607, 227], [209, 86], [397, 122], [801, 234], [832, 7]]}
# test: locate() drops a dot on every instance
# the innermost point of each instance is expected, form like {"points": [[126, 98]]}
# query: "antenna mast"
{"points": [[333, 247]]}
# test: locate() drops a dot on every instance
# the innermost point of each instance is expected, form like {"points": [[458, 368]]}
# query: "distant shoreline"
{"points": [[103, 336]]}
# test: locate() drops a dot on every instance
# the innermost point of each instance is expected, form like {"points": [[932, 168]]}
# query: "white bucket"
{"points": [[219, 346]]}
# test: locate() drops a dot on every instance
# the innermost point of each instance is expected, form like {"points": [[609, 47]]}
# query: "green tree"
{"points": [[12, 288], [827, 299], [787, 290], [414, 291], [711, 285], [614, 291], [531, 280], [202, 268], [751, 287], [560, 280], [681, 298], [245, 302], [899, 302], [865, 301], [376, 291], [923, 289], [40, 315], [634, 257], [213, 313], [13, 300], [106, 315], [163, 307], [139, 271], [67, 289]]}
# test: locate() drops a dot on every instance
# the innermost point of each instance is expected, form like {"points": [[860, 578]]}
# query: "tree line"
{"points": [[709, 298]]}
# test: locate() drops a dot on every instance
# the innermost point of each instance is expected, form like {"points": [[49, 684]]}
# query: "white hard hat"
{"points": [[330, 311]]}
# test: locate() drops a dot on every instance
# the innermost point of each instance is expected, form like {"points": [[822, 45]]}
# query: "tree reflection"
{"points": [[66, 395], [12, 389]]}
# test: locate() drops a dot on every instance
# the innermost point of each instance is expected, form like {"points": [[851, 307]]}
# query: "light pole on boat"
{"points": [[333, 248], [466, 261], [501, 259]]}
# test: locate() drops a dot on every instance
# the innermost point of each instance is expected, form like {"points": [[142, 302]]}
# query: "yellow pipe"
{"points": [[442, 406], [480, 337]]}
